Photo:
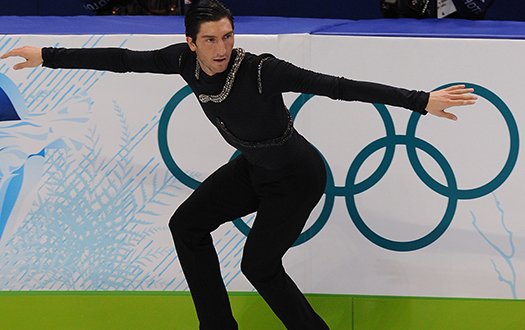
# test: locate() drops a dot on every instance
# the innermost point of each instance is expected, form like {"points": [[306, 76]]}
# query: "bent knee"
{"points": [[260, 270], [189, 220], [179, 220], [249, 269]]}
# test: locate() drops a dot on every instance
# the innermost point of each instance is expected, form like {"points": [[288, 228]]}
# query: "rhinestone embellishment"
{"points": [[259, 74], [229, 80]]}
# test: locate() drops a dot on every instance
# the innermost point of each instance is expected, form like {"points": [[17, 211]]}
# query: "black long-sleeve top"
{"points": [[253, 117]]}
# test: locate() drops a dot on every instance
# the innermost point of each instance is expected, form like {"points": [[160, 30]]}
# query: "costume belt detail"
{"points": [[278, 141]]}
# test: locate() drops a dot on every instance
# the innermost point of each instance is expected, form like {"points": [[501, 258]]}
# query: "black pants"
{"points": [[283, 200]]}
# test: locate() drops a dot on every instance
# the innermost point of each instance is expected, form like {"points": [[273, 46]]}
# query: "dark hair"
{"points": [[201, 11]]}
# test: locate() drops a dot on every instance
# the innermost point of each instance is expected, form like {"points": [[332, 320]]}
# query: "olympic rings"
{"points": [[351, 188]]}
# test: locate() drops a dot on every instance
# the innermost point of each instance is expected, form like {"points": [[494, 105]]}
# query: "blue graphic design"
{"points": [[24, 142], [7, 110], [90, 227], [11, 108], [11, 101], [26, 135], [353, 188], [510, 281]]}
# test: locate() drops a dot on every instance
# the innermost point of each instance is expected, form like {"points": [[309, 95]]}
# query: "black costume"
{"points": [[279, 173]]}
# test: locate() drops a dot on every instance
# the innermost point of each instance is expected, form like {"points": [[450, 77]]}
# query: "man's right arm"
{"points": [[165, 60]]}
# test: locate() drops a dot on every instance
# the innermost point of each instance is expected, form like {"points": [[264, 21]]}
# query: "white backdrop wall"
{"points": [[86, 195]]}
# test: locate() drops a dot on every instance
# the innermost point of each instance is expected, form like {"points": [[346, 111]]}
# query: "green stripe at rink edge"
{"points": [[146, 310]]}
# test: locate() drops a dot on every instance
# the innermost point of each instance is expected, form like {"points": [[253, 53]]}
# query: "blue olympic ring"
{"points": [[351, 188]]}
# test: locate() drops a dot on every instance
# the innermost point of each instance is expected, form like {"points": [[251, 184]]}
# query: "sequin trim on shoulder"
{"points": [[259, 75]]}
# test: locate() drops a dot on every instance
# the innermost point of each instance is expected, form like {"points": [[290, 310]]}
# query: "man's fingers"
{"points": [[12, 52], [454, 87], [454, 103], [448, 115], [21, 65], [461, 91], [8, 54], [451, 116], [22, 52], [463, 97]]}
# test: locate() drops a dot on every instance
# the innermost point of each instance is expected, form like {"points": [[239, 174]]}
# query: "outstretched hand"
{"points": [[32, 55], [456, 95]]}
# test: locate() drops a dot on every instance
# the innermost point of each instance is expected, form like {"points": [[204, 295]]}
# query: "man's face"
{"points": [[213, 46]]}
